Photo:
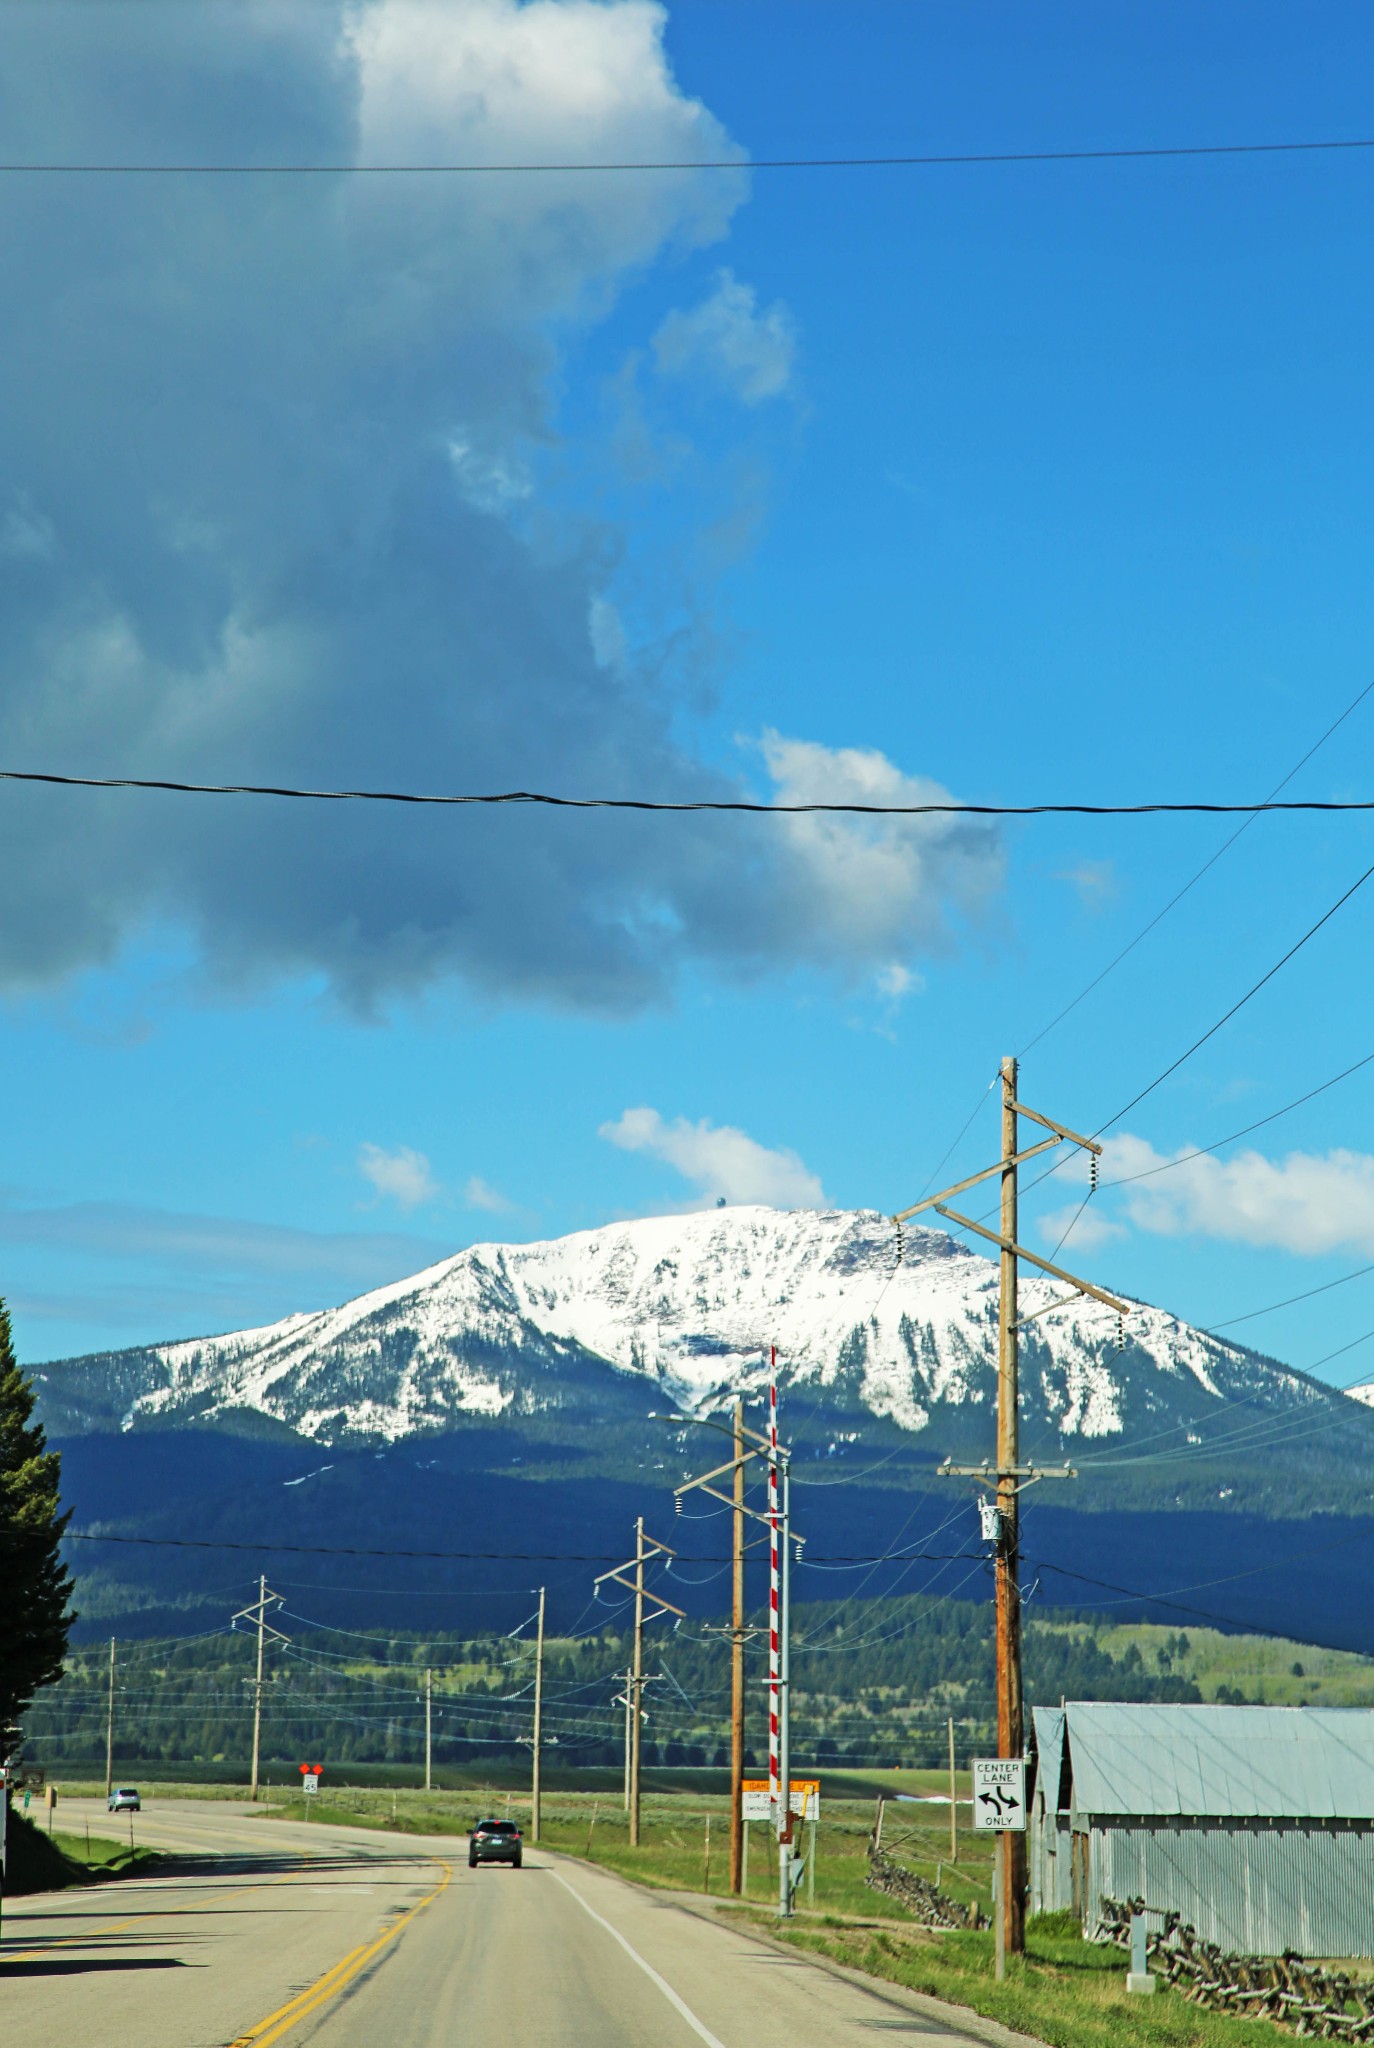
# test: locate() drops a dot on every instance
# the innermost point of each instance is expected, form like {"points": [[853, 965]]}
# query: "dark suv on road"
{"points": [[495, 1841]]}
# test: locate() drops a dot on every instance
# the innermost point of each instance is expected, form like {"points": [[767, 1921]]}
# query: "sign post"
{"points": [[804, 1804], [310, 1783]]}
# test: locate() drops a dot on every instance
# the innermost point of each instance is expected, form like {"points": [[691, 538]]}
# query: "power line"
{"points": [[970, 159], [1194, 879], [1209, 1033], [458, 1556], [742, 805], [1204, 1151], [1252, 991], [1289, 1300]]}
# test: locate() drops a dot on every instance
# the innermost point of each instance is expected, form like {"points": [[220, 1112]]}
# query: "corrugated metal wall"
{"points": [[1051, 1863], [1254, 1888]]}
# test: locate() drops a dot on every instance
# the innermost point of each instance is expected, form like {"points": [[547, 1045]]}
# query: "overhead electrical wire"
{"points": [[460, 800], [1240, 1004], [1288, 1302], [1144, 933], [1210, 1033], [926, 160], [461, 1556], [1194, 879]]}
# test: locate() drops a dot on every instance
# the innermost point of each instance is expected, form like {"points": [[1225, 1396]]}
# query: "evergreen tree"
{"points": [[34, 1583]]}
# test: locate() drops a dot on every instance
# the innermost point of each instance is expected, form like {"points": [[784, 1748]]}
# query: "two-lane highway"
{"points": [[268, 1932]]}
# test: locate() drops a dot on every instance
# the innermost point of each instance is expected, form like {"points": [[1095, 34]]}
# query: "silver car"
{"points": [[125, 1799]]}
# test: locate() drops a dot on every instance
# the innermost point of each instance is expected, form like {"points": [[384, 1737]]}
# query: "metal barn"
{"points": [[1256, 1824]]}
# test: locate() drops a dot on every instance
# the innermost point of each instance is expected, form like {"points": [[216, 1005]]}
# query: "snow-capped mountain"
{"points": [[685, 1308]]}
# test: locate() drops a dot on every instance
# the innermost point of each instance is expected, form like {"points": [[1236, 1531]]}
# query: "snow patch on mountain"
{"points": [[691, 1305]]}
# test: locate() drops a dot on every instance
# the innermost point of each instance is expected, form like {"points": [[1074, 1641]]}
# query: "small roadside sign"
{"points": [[999, 1795], [310, 1777], [805, 1799]]}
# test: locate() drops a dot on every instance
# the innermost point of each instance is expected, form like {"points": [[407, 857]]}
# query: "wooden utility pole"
{"points": [[745, 1444], [257, 1613], [1010, 1476], [646, 1549], [538, 1722], [737, 1668], [257, 1687], [637, 1686], [953, 1811], [109, 1728], [429, 1726], [1010, 1730]]}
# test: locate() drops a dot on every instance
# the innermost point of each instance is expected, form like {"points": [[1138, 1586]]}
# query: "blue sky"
{"points": [[1030, 482]]}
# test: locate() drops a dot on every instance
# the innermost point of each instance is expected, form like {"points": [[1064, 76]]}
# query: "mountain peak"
{"points": [[900, 1329]]}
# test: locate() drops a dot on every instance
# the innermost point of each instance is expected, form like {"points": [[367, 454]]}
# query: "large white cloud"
{"points": [[1307, 1203], [722, 1163], [270, 510]]}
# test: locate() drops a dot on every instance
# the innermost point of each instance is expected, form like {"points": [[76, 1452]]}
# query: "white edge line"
{"points": [[678, 2004]]}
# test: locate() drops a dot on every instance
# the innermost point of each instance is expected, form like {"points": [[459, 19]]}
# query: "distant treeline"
{"points": [[874, 1683]]}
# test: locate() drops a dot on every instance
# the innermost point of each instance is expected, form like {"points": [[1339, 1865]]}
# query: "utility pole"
{"points": [[780, 1540], [953, 1810], [429, 1726], [637, 1685], [1010, 1714], [257, 1688], [109, 1728], [1008, 1477], [257, 1613], [538, 1720], [737, 1667], [647, 1548]]}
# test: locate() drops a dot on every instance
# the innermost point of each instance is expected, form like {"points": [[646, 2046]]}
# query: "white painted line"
{"points": [[678, 2005]]}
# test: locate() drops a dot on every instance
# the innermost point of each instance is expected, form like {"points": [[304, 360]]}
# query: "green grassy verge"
{"points": [[39, 1862], [1065, 1991]]}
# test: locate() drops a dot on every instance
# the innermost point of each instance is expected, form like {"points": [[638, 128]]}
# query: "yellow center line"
{"points": [[333, 1981], [29, 1955]]}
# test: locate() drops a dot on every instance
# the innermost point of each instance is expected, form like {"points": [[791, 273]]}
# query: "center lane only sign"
{"points": [[999, 1795]]}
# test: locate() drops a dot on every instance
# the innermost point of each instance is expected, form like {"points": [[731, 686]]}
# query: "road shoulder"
{"points": [[956, 2020]]}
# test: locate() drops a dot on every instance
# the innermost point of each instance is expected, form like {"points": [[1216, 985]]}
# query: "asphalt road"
{"points": [[267, 1932]]}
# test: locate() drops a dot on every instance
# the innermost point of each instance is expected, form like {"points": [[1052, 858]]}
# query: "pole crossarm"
{"points": [[651, 1549], [661, 1606], [1048, 1310], [934, 1201], [754, 1514], [1073, 1137], [716, 1473], [992, 1475], [1018, 1251]]}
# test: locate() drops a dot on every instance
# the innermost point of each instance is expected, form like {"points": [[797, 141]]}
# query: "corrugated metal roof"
{"points": [[1289, 1763]]}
